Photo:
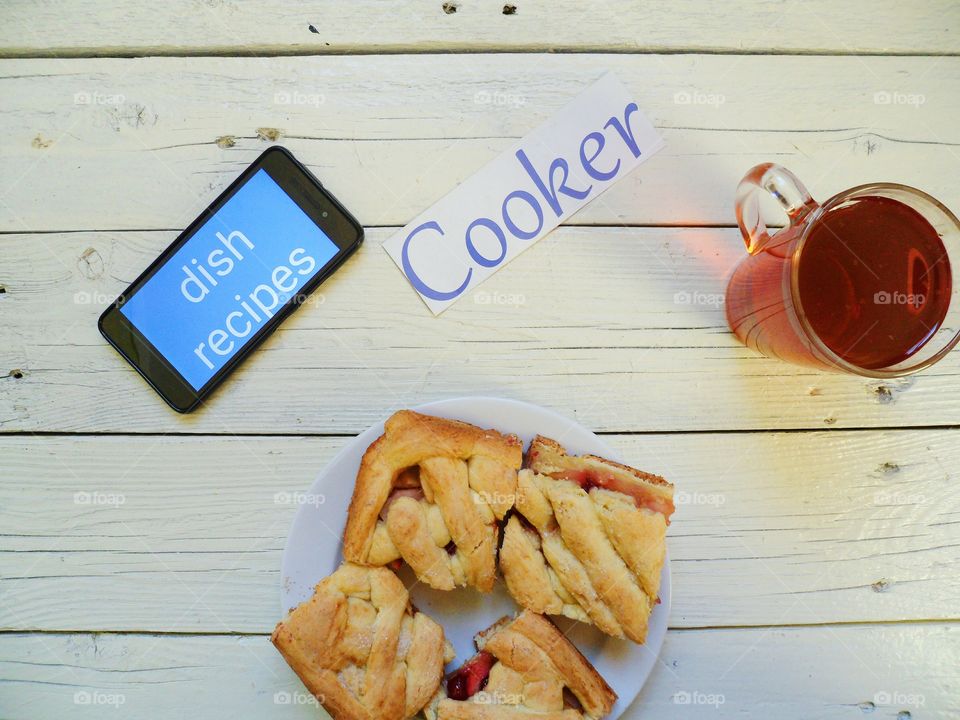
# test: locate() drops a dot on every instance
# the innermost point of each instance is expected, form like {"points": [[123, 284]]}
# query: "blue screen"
{"points": [[226, 282]]}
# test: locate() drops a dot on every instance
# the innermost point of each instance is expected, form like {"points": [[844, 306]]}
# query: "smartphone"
{"points": [[230, 279]]}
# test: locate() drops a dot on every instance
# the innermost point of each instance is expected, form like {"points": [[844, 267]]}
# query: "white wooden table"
{"points": [[816, 550]]}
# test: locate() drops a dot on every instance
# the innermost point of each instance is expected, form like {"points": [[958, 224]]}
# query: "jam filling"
{"points": [[471, 678], [589, 479], [570, 700]]}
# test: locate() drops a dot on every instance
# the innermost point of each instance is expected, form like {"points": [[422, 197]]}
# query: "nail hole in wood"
{"points": [[269, 134], [884, 394], [509, 9], [3, 289], [17, 373], [312, 29], [449, 8]]}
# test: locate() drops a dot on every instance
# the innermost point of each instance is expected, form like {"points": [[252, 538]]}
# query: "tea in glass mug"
{"points": [[862, 283]]}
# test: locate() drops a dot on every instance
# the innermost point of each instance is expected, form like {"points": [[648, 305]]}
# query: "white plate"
{"points": [[314, 550]]}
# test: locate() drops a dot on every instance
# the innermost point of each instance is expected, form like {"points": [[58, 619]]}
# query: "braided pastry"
{"points": [[587, 540], [361, 649], [525, 670], [430, 492]]}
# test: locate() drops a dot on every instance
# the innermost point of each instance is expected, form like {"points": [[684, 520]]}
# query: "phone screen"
{"points": [[211, 297]]}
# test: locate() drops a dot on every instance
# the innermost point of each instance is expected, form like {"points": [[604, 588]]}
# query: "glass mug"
{"points": [[861, 283]]}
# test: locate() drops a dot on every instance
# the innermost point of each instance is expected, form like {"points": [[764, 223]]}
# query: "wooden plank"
{"points": [[829, 673], [220, 26], [622, 329], [185, 534], [146, 143]]}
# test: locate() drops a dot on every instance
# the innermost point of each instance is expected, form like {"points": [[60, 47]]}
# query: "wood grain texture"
{"points": [[815, 574], [828, 673], [622, 329], [182, 534], [227, 26], [147, 143]]}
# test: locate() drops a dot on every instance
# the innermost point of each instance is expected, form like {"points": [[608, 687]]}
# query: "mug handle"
{"points": [[785, 188]]}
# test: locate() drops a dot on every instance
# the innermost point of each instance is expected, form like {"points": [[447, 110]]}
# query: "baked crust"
{"points": [[430, 491], [535, 665], [361, 649], [591, 554], [548, 457]]}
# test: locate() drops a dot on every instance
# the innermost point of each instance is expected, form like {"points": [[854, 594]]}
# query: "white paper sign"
{"points": [[523, 194]]}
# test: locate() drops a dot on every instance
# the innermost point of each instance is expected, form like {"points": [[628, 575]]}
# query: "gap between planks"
{"points": [[598, 226], [279, 51], [684, 629], [632, 433]]}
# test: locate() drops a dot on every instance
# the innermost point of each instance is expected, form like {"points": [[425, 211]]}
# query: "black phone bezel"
{"points": [[315, 201]]}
